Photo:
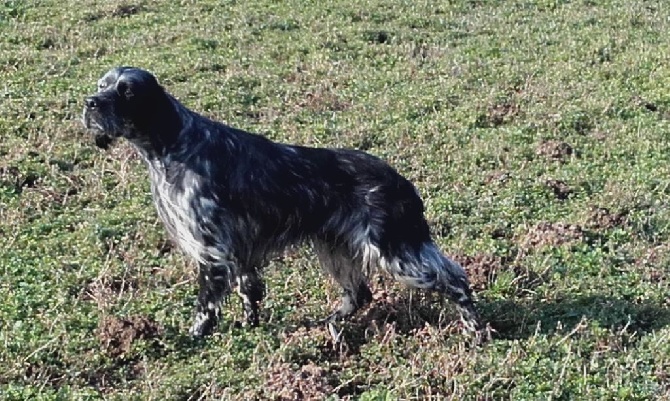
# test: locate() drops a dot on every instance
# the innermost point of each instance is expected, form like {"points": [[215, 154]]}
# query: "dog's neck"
{"points": [[162, 136]]}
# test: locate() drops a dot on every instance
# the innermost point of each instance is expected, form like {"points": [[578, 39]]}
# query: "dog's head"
{"points": [[125, 105]]}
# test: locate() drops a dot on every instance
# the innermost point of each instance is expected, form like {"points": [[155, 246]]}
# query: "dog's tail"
{"points": [[429, 269]]}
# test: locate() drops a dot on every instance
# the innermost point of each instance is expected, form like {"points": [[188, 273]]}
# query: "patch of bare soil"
{"points": [[502, 113], [551, 234], [123, 10], [497, 115], [385, 306], [602, 218], [309, 382], [117, 334], [396, 309], [322, 100], [560, 188], [126, 10], [481, 268], [554, 150]]}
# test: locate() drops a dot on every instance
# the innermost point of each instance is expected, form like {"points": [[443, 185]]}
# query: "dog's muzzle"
{"points": [[102, 138]]}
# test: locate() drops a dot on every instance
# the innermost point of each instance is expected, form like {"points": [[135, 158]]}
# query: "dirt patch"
{"points": [[560, 189], [497, 115], [397, 309], [323, 100], [554, 150], [126, 10], [500, 114], [117, 334], [482, 268], [309, 382], [603, 219], [551, 234], [385, 306], [119, 11]]}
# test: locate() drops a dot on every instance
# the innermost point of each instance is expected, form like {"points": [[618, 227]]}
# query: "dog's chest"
{"points": [[174, 203]]}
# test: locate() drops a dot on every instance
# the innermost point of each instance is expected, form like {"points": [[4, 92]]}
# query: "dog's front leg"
{"points": [[215, 285]]}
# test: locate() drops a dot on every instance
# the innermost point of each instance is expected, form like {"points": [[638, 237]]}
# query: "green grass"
{"points": [[538, 133]]}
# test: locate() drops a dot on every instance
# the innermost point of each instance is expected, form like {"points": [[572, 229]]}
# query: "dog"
{"points": [[232, 199]]}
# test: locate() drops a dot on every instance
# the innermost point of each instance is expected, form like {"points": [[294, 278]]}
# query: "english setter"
{"points": [[231, 199]]}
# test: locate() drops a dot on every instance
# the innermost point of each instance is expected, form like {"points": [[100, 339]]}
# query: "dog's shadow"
{"points": [[520, 320], [409, 316], [510, 319]]}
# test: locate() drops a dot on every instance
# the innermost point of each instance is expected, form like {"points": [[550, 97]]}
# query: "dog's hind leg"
{"points": [[346, 269], [215, 285], [430, 269], [251, 290]]}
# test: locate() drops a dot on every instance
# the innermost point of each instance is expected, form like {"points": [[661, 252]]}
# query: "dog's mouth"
{"points": [[101, 137]]}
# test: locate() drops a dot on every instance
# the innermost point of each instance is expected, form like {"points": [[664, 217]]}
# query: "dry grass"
{"points": [[536, 132]]}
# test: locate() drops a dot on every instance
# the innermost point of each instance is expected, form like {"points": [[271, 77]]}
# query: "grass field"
{"points": [[538, 133]]}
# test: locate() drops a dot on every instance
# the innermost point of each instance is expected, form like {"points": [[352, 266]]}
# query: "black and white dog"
{"points": [[231, 199]]}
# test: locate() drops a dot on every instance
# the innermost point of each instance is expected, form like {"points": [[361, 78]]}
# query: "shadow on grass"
{"points": [[512, 320], [519, 320]]}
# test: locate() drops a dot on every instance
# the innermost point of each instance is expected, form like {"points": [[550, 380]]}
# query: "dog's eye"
{"points": [[102, 85], [124, 90]]}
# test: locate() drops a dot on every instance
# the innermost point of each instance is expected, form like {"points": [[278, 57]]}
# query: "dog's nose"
{"points": [[91, 103]]}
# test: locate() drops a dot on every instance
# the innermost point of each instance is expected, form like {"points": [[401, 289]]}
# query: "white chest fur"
{"points": [[174, 204]]}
